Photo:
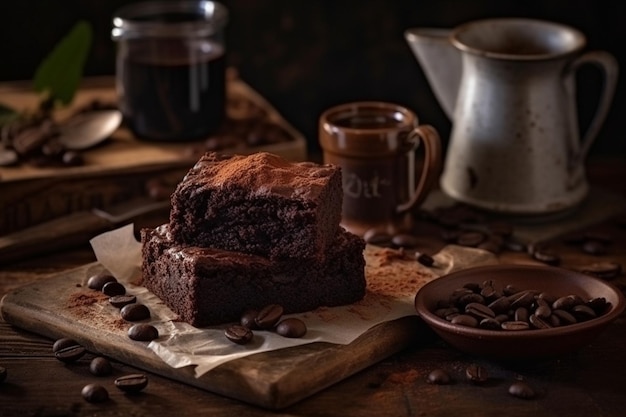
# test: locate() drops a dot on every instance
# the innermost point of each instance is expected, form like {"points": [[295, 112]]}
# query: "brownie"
{"points": [[259, 204], [208, 286]]}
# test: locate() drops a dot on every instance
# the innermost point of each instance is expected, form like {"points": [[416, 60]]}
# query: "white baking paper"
{"points": [[392, 284]]}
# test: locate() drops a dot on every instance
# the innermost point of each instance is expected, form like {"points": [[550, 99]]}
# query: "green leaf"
{"points": [[60, 73]]}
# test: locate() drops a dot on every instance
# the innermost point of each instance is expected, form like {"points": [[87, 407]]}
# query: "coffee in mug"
{"points": [[375, 144]]}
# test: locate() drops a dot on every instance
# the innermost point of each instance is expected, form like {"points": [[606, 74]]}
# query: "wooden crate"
{"points": [[115, 171]]}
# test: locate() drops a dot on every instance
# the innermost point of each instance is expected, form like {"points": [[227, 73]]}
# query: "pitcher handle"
{"points": [[608, 64], [432, 165]]}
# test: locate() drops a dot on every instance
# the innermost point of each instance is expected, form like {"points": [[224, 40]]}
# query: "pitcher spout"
{"points": [[440, 61]]}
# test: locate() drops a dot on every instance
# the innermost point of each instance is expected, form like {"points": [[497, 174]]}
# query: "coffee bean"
{"points": [[377, 237], [113, 288], [564, 303], [238, 334], [480, 311], [269, 316], [539, 322], [543, 311], [70, 353], [100, 366], [404, 240], [471, 239], [489, 324], [521, 389], [132, 383], [72, 158], [476, 374], [500, 305], [424, 259], [465, 320], [95, 393], [439, 377], [521, 314], [583, 312], [120, 301], [97, 281], [522, 299], [489, 292], [446, 311], [63, 343], [603, 270], [515, 325], [248, 319], [598, 304], [510, 290], [291, 327], [546, 256], [514, 245], [143, 332], [564, 316], [3, 374], [135, 312], [8, 157], [471, 298]]}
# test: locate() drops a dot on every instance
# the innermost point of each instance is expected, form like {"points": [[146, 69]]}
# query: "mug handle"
{"points": [[432, 165], [608, 64]]}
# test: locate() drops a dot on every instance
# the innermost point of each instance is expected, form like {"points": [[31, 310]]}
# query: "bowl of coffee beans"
{"points": [[518, 311]]}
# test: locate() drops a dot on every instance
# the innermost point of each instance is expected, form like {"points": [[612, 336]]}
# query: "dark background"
{"points": [[305, 56]]}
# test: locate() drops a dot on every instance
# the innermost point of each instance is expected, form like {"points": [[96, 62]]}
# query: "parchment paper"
{"points": [[392, 282]]}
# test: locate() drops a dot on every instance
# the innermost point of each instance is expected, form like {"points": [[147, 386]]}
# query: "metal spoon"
{"points": [[88, 129]]}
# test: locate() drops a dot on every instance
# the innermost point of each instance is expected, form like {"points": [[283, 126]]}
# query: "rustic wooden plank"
{"points": [[271, 379]]}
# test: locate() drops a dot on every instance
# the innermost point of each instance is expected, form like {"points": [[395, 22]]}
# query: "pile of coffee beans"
{"points": [[268, 318], [486, 307], [478, 375], [130, 309]]}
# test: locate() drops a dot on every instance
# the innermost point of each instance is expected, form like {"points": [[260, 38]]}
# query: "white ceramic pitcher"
{"points": [[509, 87]]}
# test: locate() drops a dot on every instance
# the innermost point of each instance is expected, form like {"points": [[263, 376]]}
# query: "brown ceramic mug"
{"points": [[375, 143]]}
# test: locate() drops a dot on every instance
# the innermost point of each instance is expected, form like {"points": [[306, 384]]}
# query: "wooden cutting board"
{"points": [[60, 306]]}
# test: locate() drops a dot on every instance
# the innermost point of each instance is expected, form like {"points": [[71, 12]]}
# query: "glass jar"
{"points": [[170, 68]]}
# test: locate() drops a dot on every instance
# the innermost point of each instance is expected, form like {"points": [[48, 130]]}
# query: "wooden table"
{"points": [[587, 383]]}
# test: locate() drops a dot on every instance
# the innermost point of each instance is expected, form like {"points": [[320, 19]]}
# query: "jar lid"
{"points": [[169, 19]]}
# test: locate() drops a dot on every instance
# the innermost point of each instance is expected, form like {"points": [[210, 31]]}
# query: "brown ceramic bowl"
{"points": [[522, 344]]}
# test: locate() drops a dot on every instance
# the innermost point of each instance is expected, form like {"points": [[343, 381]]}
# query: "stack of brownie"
{"points": [[248, 231]]}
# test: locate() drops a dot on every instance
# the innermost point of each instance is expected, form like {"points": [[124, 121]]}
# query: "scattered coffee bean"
{"points": [[97, 281], [135, 312], [100, 366], [120, 301], [8, 157], [521, 389], [3, 374], [476, 374], [439, 377], [269, 316], [404, 240], [377, 237], [514, 245], [471, 239], [95, 393], [143, 332], [132, 383], [238, 334], [113, 288], [248, 319], [291, 327], [603, 270], [546, 256], [63, 343], [70, 353], [594, 247], [424, 259]]}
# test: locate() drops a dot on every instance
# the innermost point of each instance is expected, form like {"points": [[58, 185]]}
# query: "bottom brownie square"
{"points": [[207, 286]]}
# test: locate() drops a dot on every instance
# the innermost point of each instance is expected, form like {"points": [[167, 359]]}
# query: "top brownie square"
{"points": [[259, 204]]}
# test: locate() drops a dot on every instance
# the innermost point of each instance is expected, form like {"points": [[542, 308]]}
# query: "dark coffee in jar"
{"points": [[170, 68], [172, 95]]}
